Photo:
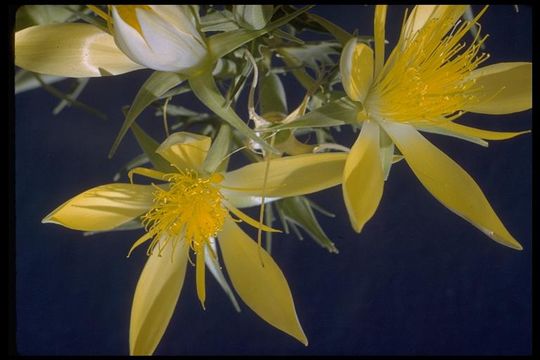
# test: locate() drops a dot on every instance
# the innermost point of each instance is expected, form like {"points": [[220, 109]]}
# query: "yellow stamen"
{"points": [[426, 79], [191, 208]]}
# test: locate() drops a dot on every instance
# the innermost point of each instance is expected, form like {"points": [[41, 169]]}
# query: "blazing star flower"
{"points": [[429, 80], [189, 211]]}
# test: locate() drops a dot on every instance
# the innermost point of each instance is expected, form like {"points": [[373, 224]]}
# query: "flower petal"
{"points": [[72, 50], [288, 176], [156, 296], [363, 177], [263, 288], [480, 133], [172, 50], [378, 31], [103, 208], [356, 66], [185, 150], [448, 182], [507, 88], [421, 14]]}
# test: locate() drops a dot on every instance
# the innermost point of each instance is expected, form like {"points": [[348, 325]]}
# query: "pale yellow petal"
{"points": [[72, 50], [288, 176], [263, 288], [103, 208], [378, 31], [156, 296], [421, 14], [356, 66], [506, 88], [448, 182], [480, 133], [363, 177], [249, 220], [185, 150]]}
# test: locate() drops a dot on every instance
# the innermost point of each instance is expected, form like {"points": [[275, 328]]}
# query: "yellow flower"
{"points": [[187, 212], [429, 80]]}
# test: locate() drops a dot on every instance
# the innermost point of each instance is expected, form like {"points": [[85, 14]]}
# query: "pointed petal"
{"points": [[363, 177], [263, 288], [241, 200], [249, 220], [448, 182], [288, 176], [507, 88], [71, 50], [185, 150], [379, 24], [155, 297], [480, 133], [103, 208], [356, 66]]}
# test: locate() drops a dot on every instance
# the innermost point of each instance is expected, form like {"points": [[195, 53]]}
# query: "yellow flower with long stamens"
{"points": [[429, 80], [190, 209]]}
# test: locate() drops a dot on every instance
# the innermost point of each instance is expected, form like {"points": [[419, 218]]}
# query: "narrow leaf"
{"points": [[155, 86]]}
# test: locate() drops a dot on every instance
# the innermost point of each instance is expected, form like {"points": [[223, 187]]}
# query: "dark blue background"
{"points": [[418, 280]]}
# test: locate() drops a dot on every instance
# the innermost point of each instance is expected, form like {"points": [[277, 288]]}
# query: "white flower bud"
{"points": [[160, 37]]}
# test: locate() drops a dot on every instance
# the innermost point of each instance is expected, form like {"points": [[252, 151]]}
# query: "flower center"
{"points": [[191, 208], [128, 13], [426, 79]]}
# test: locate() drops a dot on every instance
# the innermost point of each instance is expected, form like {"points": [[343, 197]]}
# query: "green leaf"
{"points": [[335, 113], [149, 146], [219, 150], [311, 55], [338, 32], [226, 42], [26, 80], [65, 97], [297, 210], [204, 87], [218, 21], [155, 86], [272, 95]]}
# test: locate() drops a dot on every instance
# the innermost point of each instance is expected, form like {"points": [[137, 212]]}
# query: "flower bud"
{"points": [[253, 17], [160, 37]]}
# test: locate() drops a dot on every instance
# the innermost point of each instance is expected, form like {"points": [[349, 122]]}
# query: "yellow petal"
{"points": [[288, 176], [356, 66], [507, 88], [185, 150], [363, 177], [379, 24], [72, 50], [155, 297], [247, 219], [421, 14], [448, 182], [103, 208], [263, 288], [480, 133]]}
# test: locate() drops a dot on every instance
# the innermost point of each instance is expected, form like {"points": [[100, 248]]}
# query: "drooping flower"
{"points": [[429, 80], [187, 212]]}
